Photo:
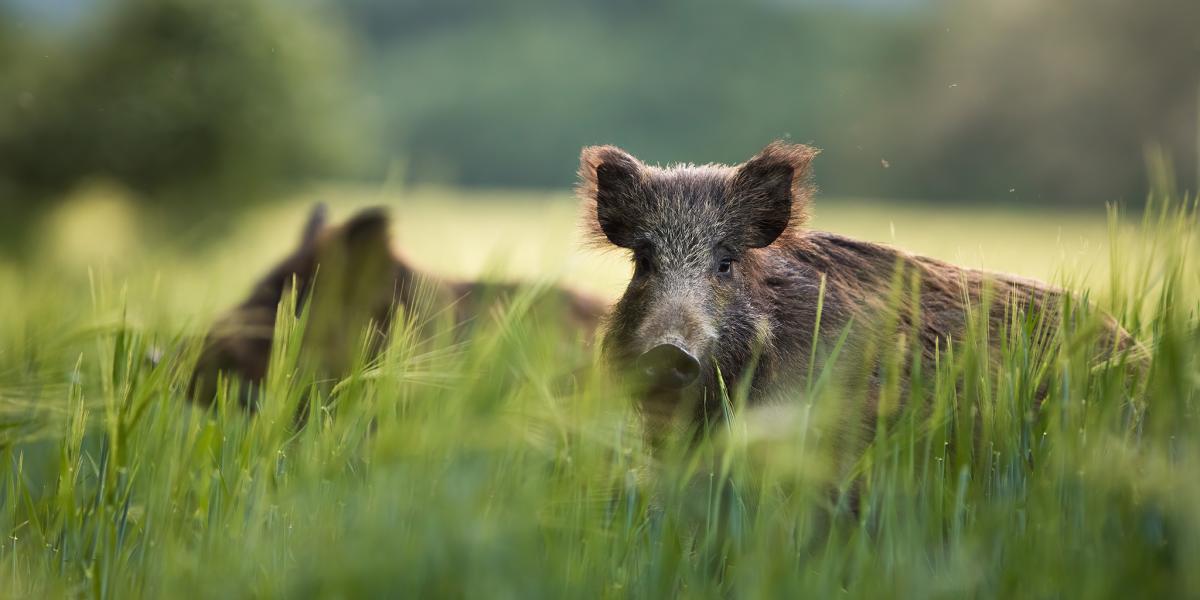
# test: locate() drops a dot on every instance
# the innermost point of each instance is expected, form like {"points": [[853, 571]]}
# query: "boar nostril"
{"points": [[669, 366]]}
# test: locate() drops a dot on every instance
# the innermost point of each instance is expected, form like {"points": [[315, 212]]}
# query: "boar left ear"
{"points": [[315, 224], [770, 192], [609, 183]]}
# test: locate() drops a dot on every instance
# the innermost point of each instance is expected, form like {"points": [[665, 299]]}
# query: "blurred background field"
{"points": [[520, 235], [207, 107], [186, 138]]}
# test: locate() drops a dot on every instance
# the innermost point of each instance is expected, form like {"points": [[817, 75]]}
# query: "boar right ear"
{"points": [[609, 182], [366, 234], [771, 192]]}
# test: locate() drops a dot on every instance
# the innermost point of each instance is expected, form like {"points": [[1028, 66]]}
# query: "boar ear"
{"points": [[316, 223], [609, 182], [365, 235], [771, 192]]}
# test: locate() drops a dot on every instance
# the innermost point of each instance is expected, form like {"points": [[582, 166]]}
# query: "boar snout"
{"points": [[669, 366]]}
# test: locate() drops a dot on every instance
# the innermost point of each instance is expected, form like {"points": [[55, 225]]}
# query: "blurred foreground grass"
{"points": [[488, 469]]}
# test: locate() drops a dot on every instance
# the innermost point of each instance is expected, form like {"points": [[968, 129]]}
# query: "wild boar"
{"points": [[728, 281], [351, 280]]}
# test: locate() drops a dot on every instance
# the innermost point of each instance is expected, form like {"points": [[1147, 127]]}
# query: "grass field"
{"points": [[479, 470]]}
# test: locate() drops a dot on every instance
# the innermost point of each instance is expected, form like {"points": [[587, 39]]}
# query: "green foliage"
{"points": [[983, 101], [197, 100], [489, 468], [509, 99], [1057, 101], [991, 101]]}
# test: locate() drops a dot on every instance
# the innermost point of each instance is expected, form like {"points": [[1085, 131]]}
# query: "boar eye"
{"points": [[725, 265]]}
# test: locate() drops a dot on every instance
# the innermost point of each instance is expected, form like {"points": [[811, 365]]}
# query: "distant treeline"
{"points": [[1047, 102]]}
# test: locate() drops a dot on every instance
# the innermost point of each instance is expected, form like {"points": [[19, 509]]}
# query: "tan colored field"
{"points": [[536, 235]]}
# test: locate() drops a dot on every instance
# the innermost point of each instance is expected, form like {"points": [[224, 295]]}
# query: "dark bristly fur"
{"points": [[360, 281], [680, 222]]}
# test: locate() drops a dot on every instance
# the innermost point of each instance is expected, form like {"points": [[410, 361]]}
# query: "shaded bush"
{"points": [[179, 99], [1057, 101]]}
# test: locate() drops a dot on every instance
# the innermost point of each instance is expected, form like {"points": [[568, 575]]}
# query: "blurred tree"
{"points": [[216, 100], [509, 100], [920, 98], [1051, 102], [928, 99]]}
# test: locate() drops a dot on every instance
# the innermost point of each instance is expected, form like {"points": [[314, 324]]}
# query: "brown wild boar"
{"points": [[728, 279], [359, 282]]}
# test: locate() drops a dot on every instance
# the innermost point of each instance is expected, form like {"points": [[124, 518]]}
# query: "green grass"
{"points": [[491, 469]]}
